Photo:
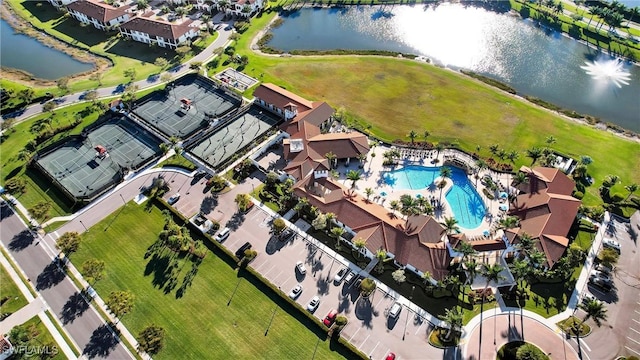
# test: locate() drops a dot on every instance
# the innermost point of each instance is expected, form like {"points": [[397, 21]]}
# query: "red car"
{"points": [[391, 356], [331, 317]]}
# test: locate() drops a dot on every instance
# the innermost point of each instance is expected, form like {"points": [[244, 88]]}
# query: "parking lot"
{"points": [[369, 327], [620, 334]]}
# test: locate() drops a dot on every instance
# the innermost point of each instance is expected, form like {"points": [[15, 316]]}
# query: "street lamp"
{"points": [[84, 226], [125, 203]]}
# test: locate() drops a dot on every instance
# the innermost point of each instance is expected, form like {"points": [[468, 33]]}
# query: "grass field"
{"points": [[199, 324], [44, 339], [9, 290], [395, 96]]}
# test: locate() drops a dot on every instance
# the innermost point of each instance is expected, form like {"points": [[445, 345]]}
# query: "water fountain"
{"points": [[610, 70]]}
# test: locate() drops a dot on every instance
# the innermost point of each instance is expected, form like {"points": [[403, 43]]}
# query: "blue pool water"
{"points": [[463, 199]]}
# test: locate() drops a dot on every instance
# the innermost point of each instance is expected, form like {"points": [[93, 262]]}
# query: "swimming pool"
{"points": [[463, 199]]}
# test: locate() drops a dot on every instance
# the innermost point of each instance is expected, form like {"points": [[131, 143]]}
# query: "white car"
{"points": [[313, 304], [350, 277], [605, 269], [601, 274], [300, 267], [612, 244], [340, 275], [295, 292], [174, 199]]}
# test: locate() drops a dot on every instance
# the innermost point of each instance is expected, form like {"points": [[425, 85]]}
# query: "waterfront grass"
{"points": [[394, 96], [201, 323], [11, 298]]}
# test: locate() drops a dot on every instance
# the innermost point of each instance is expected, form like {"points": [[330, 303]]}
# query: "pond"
{"points": [[533, 60], [25, 53]]}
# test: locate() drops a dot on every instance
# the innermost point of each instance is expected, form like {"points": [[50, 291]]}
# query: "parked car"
{"points": [[605, 269], [301, 269], [601, 283], [390, 356], [223, 235], [174, 198], [295, 292], [358, 282], [286, 235], [243, 248], [395, 310], [313, 304], [349, 278], [330, 318], [611, 244], [601, 275], [586, 297], [340, 275]]}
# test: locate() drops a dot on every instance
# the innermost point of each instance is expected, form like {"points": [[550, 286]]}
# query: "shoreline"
{"points": [[582, 121], [22, 26]]}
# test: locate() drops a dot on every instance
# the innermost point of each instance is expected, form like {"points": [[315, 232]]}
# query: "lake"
{"points": [[25, 53], [533, 60]]}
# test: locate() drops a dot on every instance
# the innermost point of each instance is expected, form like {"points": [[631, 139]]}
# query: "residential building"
{"points": [[99, 14], [241, 8], [60, 3], [158, 32], [546, 210]]}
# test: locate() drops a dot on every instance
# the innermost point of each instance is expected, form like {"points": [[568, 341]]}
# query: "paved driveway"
{"points": [[620, 334]]}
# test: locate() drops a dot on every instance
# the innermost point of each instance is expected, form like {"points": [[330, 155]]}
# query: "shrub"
{"points": [[578, 195], [16, 186]]}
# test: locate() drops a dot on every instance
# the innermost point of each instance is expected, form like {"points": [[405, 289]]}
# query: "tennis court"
{"points": [[164, 109], [76, 166], [237, 134]]}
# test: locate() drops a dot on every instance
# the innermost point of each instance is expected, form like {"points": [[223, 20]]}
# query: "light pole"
{"points": [[84, 226], [125, 203], [270, 321], [234, 292], [408, 309]]}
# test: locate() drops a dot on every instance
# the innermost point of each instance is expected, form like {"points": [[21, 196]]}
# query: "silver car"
{"points": [[313, 304]]}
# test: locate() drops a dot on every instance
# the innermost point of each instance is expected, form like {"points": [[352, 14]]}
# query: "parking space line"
{"points": [[354, 334], [364, 342], [630, 349], [636, 321], [268, 271], [637, 312], [419, 327], [635, 341], [632, 329], [374, 349]]}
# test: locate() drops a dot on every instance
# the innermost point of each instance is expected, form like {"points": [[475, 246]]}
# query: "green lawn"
{"points": [[395, 96], [9, 291], [41, 338], [199, 324]]}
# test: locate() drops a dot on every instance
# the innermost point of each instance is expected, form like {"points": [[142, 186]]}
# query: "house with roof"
{"points": [[546, 211], [158, 32], [242, 8], [99, 14]]}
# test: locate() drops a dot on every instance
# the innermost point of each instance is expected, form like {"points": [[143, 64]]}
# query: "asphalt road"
{"points": [[81, 321], [620, 334]]}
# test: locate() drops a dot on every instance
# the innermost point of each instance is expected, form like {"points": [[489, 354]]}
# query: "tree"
{"points": [[530, 351], [165, 77], [395, 206], [120, 303], [451, 225], [367, 287], [93, 270], [492, 273], [277, 226], [399, 276], [466, 249], [493, 149], [513, 155], [242, 200], [151, 339], [413, 135], [425, 135], [439, 148], [63, 84], [368, 191], [320, 222], [181, 11], [445, 173], [49, 106], [130, 73], [453, 319], [586, 160], [519, 178], [535, 153], [142, 5], [182, 50], [40, 210], [595, 310], [331, 157], [161, 62], [381, 255], [354, 176], [509, 222], [91, 95], [360, 245], [96, 76], [26, 95], [471, 269], [520, 270], [631, 188], [608, 257]]}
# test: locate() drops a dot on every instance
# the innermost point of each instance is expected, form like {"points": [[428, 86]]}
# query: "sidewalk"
{"points": [[38, 305]]}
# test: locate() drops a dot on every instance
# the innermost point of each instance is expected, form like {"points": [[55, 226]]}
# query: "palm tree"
{"points": [[395, 205], [331, 217], [520, 270], [519, 178], [453, 318], [450, 225], [409, 205], [593, 10], [471, 269], [493, 149], [492, 273], [381, 255], [368, 191], [509, 222], [466, 249], [425, 135], [354, 176], [181, 11], [445, 173], [526, 242], [439, 148], [332, 159], [142, 5], [360, 244], [594, 310], [537, 258], [534, 153], [337, 232], [205, 19], [631, 188], [412, 135]]}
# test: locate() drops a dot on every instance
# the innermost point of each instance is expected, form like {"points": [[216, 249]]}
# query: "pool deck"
{"points": [[372, 177]]}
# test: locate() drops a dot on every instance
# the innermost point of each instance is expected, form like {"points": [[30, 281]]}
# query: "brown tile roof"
{"points": [[157, 28], [279, 97], [421, 247], [343, 145], [97, 10], [547, 210]]}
